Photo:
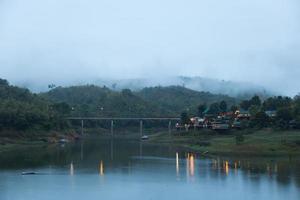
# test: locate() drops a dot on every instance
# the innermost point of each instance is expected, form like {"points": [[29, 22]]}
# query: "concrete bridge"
{"points": [[112, 119]]}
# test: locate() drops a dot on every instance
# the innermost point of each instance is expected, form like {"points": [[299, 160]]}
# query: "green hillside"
{"points": [[90, 100], [178, 99]]}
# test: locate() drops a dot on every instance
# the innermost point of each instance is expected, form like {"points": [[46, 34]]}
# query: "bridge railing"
{"points": [[112, 119]]}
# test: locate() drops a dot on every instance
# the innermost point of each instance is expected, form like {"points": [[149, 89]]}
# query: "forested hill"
{"points": [[178, 99], [155, 101], [90, 100]]}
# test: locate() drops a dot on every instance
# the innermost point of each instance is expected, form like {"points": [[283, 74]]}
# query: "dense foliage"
{"points": [[275, 112], [278, 111], [22, 110], [180, 99], [90, 100]]}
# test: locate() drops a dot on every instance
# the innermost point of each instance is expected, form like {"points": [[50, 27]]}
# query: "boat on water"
{"points": [[63, 141], [144, 137], [29, 173]]}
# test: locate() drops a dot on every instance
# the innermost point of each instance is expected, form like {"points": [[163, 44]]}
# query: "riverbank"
{"points": [[10, 140], [265, 142]]}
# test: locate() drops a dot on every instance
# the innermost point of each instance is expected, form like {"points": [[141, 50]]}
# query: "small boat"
{"points": [[63, 141], [29, 173], [144, 137]]}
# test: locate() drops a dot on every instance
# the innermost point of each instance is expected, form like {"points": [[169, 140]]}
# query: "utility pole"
{"points": [[112, 128]]}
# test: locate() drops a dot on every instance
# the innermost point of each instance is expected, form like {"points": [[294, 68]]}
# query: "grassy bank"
{"points": [[254, 142], [10, 139]]}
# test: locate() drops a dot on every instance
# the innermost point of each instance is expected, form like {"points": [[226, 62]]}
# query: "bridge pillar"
{"points": [[112, 127], [141, 127], [82, 127], [112, 149], [170, 127], [81, 150]]}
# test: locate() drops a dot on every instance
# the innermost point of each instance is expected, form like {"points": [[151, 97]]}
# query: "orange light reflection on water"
{"points": [[190, 164], [226, 167]]}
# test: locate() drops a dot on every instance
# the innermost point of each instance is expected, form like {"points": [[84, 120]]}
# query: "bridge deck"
{"points": [[123, 118]]}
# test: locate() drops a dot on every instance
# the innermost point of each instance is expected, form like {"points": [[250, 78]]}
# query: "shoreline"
{"points": [[20, 140], [256, 143]]}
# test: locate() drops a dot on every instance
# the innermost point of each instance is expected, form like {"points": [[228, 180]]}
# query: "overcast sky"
{"points": [[241, 40]]}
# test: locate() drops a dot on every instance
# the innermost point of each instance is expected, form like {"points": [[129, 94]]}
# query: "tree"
{"points": [[260, 120], [223, 106], [234, 108], [127, 92], [245, 104], [275, 103], [255, 101], [201, 109], [254, 109], [296, 107], [51, 86], [61, 108], [185, 119], [284, 116], [4, 82], [214, 108]]}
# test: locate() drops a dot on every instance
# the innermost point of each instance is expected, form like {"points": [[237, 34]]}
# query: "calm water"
{"points": [[106, 169]]}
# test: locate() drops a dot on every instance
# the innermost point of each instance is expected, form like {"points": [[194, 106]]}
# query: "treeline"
{"points": [[91, 100], [22, 110], [179, 99], [95, 101], [284, 111]]}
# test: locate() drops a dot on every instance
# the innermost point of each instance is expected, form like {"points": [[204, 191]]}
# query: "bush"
{"points": [[239, 138], [203, 143]]}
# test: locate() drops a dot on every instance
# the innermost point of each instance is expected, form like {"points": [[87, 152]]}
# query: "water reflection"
{"points": [[101, 168], [71, 169], [226, 167], [190, 165], [125, 162], [177, 164]]}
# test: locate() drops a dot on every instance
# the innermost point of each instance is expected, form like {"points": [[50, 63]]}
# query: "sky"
{"points": [[256, 41]]}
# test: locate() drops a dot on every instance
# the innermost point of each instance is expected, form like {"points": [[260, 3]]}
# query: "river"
{"points": [[121, 169]]}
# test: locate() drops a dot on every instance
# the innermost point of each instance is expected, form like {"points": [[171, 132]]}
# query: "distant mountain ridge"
{"points": [[91, 100], [230, 88]]}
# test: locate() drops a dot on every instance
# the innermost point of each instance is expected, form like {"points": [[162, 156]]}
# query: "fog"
{"points": [[254, 41]]}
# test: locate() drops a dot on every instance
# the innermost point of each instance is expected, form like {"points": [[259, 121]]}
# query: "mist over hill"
{"points": [[214, 86], [231, 88]]}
